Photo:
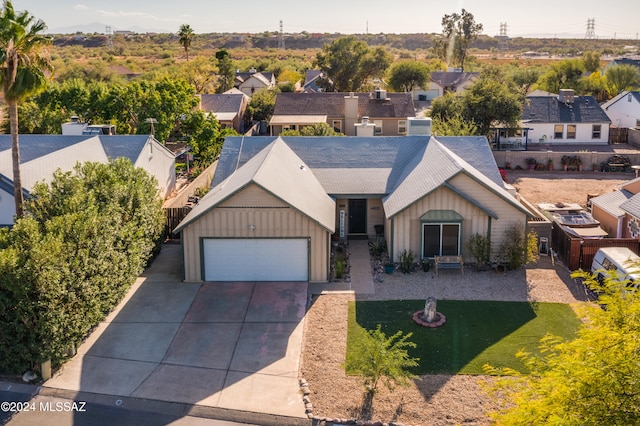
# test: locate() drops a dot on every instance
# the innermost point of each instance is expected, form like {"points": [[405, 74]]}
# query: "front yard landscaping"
{"points": [[476, 332]]}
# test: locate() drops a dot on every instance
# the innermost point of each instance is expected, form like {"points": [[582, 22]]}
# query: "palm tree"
{"points": [[22, 73], [186, 35]]}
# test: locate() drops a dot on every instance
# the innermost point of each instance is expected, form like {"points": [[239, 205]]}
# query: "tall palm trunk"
{"points": [[15, 154]]}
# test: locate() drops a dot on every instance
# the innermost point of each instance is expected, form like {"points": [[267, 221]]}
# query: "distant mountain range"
{"points": [[100, 28]]}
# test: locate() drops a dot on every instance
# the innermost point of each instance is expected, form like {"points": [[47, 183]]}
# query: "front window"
{"points": [[440, 239], [378, 130], [558, 131], [402, 127], [571, 131], [596, 131]]}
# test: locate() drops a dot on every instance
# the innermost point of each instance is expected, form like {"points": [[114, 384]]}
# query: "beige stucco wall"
{"points": [[407, 227], [271, 218]]}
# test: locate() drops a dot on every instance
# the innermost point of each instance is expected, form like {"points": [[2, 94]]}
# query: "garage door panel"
{"points": [[257, 259]]}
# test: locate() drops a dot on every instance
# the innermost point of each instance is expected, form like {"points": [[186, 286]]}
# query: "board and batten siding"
{"points": [[272, 219], [407, 227]]}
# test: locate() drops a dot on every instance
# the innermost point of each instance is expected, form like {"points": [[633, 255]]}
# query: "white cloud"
{"points": [[80, 7]]}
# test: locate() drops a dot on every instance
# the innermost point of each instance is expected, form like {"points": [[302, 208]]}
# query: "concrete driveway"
{"points": [[224, 350]]}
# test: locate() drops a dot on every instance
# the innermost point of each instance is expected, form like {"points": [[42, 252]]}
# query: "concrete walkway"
{"points": [[229, 351], [361, 275]]}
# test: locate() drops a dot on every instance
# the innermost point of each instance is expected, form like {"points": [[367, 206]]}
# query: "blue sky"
{"points": [[543, 18]]}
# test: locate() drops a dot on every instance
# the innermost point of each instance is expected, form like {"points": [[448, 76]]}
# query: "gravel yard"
{"points": [[439, 399]]}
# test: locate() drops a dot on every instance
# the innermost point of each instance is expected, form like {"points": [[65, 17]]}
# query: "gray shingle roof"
{"points": [[611, 202], [632, 205], [397, 105], [546, 109], [33, 147], [450, 79], [221, 102], [404, 168], [277, 169]]}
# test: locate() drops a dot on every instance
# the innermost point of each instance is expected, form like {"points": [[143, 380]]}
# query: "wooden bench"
{"points": [[448, 262]]}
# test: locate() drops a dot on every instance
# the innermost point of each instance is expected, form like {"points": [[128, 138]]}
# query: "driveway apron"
{"points": [[233, 346]]}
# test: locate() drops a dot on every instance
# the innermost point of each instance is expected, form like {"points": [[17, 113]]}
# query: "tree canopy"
{"points": [[407, 75], [23, 68], [185, 37], [621, 78], [349, 62], [592, 380], [458, 31]]}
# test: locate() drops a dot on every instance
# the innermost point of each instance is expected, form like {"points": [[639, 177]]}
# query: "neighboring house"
{"points": [[619, 211], [277, 203], [228, 108], [622, 61], [441, 82], [310, 81], [624, 110], [125, 72], [42, 155], [252, 81], [342, 111], [565, 119]]}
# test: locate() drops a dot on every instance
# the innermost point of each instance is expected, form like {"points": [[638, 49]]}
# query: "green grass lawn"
{"points": [[476, 332]]}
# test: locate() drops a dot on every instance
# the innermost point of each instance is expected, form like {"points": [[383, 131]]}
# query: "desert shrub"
{"points": [[517, 250], [340, 265], [406, 258], [377, 357], [479, 247]]}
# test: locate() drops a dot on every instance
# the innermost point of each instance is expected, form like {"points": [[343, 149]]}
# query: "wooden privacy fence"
{"points": [[618, 135], [173, 218], [577, 253]]}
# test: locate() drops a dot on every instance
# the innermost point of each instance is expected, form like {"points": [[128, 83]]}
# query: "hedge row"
{"points": [[86, 237]]}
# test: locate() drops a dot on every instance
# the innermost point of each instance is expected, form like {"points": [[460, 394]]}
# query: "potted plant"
{"points": [[550, 164], [531, 162], [565, 162], [389, 267], [594, 166]]}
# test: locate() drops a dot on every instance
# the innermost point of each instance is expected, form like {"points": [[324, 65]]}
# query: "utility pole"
{"points": [[109, 33]]}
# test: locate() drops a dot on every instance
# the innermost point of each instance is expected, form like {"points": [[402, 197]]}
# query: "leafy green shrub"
{"points": [[479, 247], [406, 258], [87, 236], [516, 250], [378, 357], [378, 247]]}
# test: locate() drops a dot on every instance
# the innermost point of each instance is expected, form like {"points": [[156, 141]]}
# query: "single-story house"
{"points": [[311, 78], [624, 110], [228, 108], [389, 112], [565, 119], [619, 211], [42, 155], [441, 82], [252, 81], [277, 203]]}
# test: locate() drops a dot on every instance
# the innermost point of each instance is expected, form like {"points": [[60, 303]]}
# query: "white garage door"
{"points": [[259, 259]]}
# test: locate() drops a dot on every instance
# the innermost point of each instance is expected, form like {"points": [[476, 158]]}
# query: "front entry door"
{"points": [[357, 216]]}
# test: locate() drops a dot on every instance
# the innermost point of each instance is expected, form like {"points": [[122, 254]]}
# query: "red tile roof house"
{"points": [[387, 111], [276, 202]]}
